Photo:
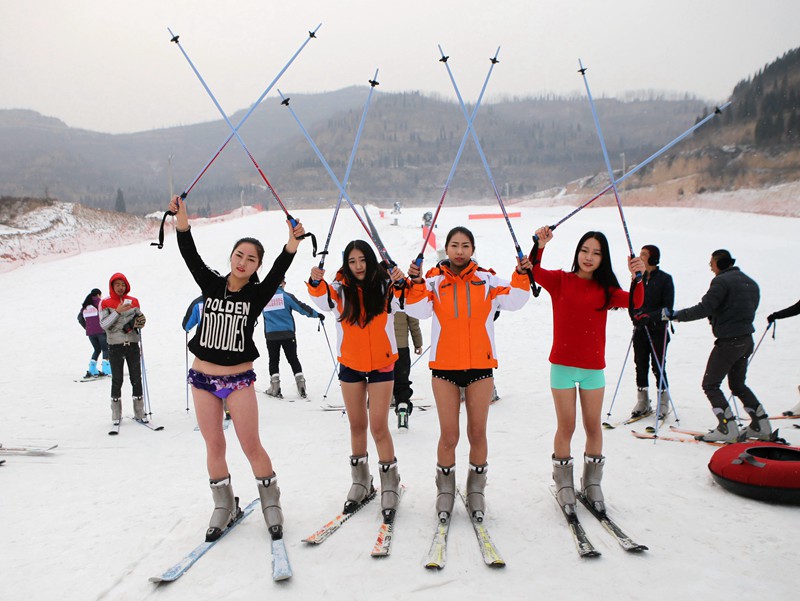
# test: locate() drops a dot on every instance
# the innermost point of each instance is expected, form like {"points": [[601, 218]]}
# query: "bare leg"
{"points": [[448, 405], [243, 408], [380, 397], [355, 402], [208, 409], [564, 400], [591, 410], [478, 400]]}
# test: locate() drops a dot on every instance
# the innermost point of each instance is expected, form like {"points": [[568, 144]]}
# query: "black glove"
{"points": [[770, 318], [641, 320], [667, 314], [321, 317]]}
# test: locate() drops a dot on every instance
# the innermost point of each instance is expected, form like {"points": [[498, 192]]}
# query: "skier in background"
{"points": [[279, 330], [402, 391], [89, 318], [783, 314]]}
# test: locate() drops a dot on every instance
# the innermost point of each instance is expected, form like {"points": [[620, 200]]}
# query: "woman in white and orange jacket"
{"points": [[463, 298], [362, 298]]}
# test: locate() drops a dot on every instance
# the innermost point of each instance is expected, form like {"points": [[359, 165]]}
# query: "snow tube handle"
{"points": [[748, 458]]}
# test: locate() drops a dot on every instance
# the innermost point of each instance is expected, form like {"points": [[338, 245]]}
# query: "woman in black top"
{"points": [[223, 366]]}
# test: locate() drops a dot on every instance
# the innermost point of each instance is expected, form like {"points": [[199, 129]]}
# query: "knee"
{"points": [[476, 434], [379, 431], [449, 439]]}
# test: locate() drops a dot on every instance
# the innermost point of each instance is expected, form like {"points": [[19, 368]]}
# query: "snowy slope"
{"points": [[100, 515]]}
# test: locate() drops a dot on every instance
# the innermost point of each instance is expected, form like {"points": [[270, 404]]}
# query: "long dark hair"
{"points": [[88, 300], [259, 251], [373, 287], [603, 275]]}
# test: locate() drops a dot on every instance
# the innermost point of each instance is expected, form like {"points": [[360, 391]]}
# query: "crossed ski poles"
{"points": [[373, 83], [471, 129], [235, 132], [717, 111], [381, 249], [494, 61]]}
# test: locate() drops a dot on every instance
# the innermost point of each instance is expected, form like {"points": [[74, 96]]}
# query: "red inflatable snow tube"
{"points": [[766, 471]]}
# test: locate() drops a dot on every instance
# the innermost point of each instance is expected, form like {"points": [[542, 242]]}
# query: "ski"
{"points": [[383, 542], [114, 427], [2, 461], [771, 417], [180, 568], [623, 539], [582, 542], [147, 424], [437, 554], [625, 422], [491, 556], [26, 450], [323, 533], [647, 436], [796, 425], [93, 378], [281, 569]]}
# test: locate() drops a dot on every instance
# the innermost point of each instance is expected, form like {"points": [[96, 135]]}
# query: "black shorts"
{"points": [[371, 377], [462, 377]]}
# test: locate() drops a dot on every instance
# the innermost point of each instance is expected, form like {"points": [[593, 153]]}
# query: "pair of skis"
{"points": [[437, 554], [582, 542], [281, 569], [625, 422], [384, 539], [115, 425]]}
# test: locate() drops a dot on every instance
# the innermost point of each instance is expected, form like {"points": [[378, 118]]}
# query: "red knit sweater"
{"points": [[579, 329]]}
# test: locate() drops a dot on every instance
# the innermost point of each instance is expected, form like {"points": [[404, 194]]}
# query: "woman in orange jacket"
{"points": [[462, 299], [362, 298]]}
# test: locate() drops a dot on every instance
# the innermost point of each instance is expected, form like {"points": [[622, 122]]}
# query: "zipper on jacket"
{"points": [[455, 301]]}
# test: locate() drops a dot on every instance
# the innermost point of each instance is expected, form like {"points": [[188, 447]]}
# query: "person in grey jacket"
{"points": [[122, 318], [730, 306]]}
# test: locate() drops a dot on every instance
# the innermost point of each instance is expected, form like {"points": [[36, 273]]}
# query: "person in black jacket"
{"points": [[650, 334], [783, 314], [730, 305]]}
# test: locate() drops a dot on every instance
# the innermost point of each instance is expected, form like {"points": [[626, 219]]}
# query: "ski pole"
{"points": [[461, 146], [421, 355], [661, 375], [145, 389], [372, 82], [235, 133], [717, 111], [749, 360], [381, 249], [185, 193], [471, 129], [582, 71], [619, 380], [325, 396], [328, 341]]}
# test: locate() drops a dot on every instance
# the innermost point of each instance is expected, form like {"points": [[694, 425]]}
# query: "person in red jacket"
{"points": [[581, 299], [463, 298], [363, 300]]}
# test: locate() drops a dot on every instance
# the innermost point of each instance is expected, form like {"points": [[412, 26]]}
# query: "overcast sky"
{"points": [[108, 65]]}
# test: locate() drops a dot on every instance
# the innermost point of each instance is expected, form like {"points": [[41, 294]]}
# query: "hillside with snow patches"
{"points": [[98, 516]]}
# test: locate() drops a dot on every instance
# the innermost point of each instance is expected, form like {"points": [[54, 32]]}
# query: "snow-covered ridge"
{"points": [[33, 230]]}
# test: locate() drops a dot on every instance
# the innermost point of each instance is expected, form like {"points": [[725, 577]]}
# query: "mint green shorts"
{"points": [[563, 376]]}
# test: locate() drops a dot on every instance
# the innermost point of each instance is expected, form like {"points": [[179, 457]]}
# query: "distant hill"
{"points": [[408, 146]]}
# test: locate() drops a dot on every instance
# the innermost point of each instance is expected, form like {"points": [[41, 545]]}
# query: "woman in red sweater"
{"points": [[581, 299]]}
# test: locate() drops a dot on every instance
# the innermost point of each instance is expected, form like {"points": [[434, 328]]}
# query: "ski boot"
{"points": [[225, 409], [390, 489], [301, 384], [362, 489], [92, 371], [445, 491], [642, 405], [565, 487], [726, 431], [105, 368], [794, 410], [274, 386], [226, 508], [663, 404], [270, 496], [403, 410], [138, 409], [495, 396], [116, 410], [759, 427], [590, 482], [476, 483]]}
